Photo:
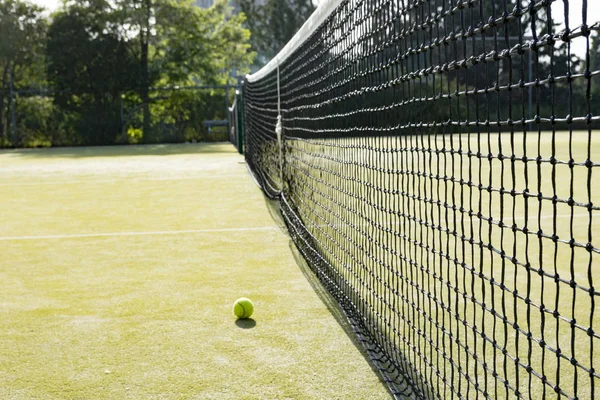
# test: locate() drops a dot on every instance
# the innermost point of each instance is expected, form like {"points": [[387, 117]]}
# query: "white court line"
{"points": [[179, 232], [150, 233], [558, 216]]}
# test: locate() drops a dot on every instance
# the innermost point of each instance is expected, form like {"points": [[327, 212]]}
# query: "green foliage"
{"points": [[177, 116], [199, 45], [177, 43], [35, 120], [22, 31], [105, 57], [84, 56], [92, 65], [41, 123], [594, 65], [273, 24], [94, 51], [134, 135]]}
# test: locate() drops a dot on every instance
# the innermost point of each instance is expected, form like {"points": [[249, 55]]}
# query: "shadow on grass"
{"points": [[125, 150], [247, 323], [401, 391], [324, 296], [275, 213], [331, 303], [335, 310], [327, 299]]}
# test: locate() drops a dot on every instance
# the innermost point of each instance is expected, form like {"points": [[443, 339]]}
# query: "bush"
{"points": [[34, 118]]}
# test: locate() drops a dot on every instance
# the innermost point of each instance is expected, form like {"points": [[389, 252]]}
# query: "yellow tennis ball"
{"points": [[243, 308]]}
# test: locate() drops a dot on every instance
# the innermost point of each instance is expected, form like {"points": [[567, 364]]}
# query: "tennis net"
{"points": [[436, 164]]}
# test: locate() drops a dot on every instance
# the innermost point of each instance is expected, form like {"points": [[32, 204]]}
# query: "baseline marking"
{"points": [[184, 231]]}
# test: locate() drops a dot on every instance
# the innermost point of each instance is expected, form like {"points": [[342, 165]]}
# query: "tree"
{"points": [[177, 42], [86, 57], [595, 52], [200, 45], [22, 31], [274, 24], [90, 65], [99, 49]]}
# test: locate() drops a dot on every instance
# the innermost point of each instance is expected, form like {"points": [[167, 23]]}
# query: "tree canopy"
{"points": [[105, 65], [273, 24], [98, 61], [22, 34], [106, 48]]}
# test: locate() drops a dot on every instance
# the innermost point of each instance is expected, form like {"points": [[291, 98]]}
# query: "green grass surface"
{"points": [[118, 270]]}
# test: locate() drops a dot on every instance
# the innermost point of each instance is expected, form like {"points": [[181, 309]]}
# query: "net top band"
{"points": [[310, 26]]}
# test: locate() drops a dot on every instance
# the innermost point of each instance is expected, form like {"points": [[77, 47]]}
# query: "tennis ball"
{"points": [[243, 308]]}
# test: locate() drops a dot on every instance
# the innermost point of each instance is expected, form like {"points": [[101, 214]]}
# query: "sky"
{"points": [[51, 5], [557, 11], [593, 8]]}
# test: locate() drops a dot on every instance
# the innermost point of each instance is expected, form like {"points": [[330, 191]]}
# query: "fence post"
{"points": [[123, 135], [12, 109]]}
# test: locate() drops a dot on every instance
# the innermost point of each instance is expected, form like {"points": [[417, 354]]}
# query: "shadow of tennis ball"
{"points": [[246, 323]]}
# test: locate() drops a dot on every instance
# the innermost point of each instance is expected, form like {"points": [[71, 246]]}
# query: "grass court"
{"points": [[118, 270]]}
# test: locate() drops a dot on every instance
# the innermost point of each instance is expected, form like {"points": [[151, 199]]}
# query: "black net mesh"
{"points": [[438, 170]]}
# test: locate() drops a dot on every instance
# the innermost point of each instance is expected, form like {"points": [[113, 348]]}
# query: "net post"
{"points": [[279, 128], [227, 107], [240, 118]]}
